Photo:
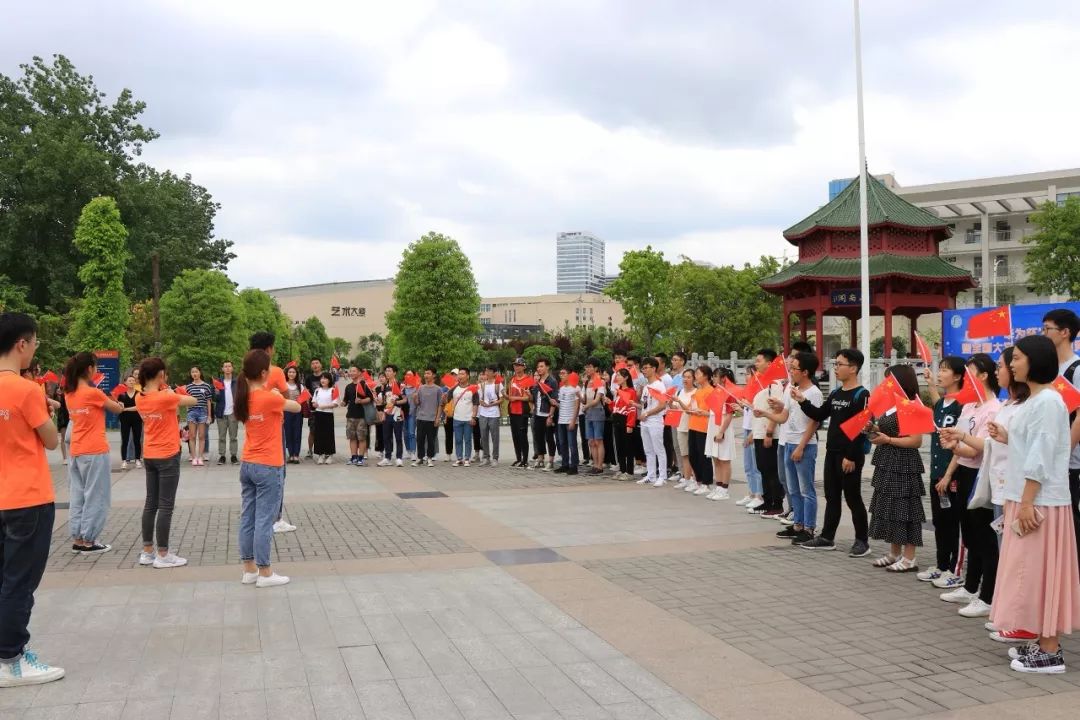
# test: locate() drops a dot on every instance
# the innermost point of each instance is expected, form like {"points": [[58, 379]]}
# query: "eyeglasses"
{"points": [[840, 364], [1049, 328]]}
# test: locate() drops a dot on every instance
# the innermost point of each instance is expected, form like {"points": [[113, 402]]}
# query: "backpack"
{"points": [[1069, 373], [866, 446]]}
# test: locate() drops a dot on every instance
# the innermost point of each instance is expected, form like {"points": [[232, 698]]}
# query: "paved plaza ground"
{"points": [[482, 594]]}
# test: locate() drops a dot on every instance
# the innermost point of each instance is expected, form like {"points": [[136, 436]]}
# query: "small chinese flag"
{"points": [[883, 398], [499, 379], [366, 378], [597, 381], [973, 390], [913, 417], [749, 391], [449, 380], [672, 418], [50, 377], [777, 370], [412, 379], [292, 363], [98, 377], [119, 390], [396, 388], [715, 401], [472, 388], [334, 394], [181, 390], [524, 383], [924, 350], [218, 385], [1069, 394], [305, 396], [628, 396], [621, 365], [992, 323], [334, 363], [659, 395], [572, 380], [856, 424]]}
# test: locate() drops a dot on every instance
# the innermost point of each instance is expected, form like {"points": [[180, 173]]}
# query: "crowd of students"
{"points": [[1004, 476]]}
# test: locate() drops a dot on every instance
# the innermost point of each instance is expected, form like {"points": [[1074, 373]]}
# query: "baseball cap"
{"points": [[520, 361]]}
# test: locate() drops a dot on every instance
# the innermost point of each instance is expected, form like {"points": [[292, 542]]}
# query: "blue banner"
{"points": [[108, 364], [1026, 320]]}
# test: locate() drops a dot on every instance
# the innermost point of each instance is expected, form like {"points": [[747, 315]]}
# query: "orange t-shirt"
{"points": [[262, 431], [275, 380], [86, 407], [161, 429], [700, 423], [25, 480]]}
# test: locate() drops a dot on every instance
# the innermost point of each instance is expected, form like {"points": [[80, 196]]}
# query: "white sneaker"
{"points": [[494, 463], [249, 578], [703, 490], [744, 501], [457, 463], [413, 464], [273, 580], [327, 459], [640, 470], [65, 461], [720, 493], [928, 575], [283, 527], [146, 558], [659, 482], [959, 595], [138, 464], [976, 608], [399, 463], [680, 485], [465, 463], [645, 480], [948, 580], [691, 486], [28, 670], [171, 560], [383, 463], [430, 463], [755, 503], [318, 459], [123, 465]]}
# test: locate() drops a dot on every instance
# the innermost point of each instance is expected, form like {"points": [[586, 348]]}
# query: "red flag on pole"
{"points": [[412, 379], [334, 363], [98, 377], [924, 350], [449, 380], [672, 418], [991, 323], [218, 385], [472, 388], [856, 424], [572, 380], [305, 396], [1069, 394], [181, 390], [499, 380], [777, 370], [396, 388], [334, 393], [597, 381], [913, 417], [715, 401], [292, 363], [50, 377], [119, 390], [883, 398], [973, 390], [524, 383]]}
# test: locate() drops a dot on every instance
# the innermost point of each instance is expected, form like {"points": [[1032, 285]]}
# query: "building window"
{"points": [[978, 298], [1061, 197], [1003, 232], [973, 234], [978, 266], [1001, 263]]}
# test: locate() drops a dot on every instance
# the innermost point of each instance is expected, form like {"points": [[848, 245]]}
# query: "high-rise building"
{"points": [[579, 263]]}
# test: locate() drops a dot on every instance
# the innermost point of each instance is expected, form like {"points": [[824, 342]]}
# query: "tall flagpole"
{"points": [[864, 231]]}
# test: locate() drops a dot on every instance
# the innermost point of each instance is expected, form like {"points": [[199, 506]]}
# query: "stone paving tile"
{"points": [[448, 479], [207, 535], [454, 645], [883, 645]]}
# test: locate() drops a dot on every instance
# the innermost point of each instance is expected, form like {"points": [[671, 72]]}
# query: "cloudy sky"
{"points": [[334, 133]]}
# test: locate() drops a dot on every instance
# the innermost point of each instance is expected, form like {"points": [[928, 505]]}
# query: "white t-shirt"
{"points": [[648, 402], [228, 398], [1074, 458], [489, 392], [1039, 449], [998, 461], [687, 397], [792, 431], [761, 402], [323, 396], [568, 395], [463, 404]]}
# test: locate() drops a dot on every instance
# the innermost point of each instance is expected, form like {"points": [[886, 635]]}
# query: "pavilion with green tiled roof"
{"points": [[907, 276]]}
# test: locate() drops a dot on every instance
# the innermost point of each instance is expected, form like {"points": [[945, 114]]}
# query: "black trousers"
{"points": [[131, 427], [837, 483], [946, 528], [702, 465], [622, 439], [585, 456], [609, 442], [770, 475], [543, 436], [162, 477], [425, 439], [979, 539], [519, 432], [637, 446], [25, 535], [476, 438], [448, 431], [392, 437], [669, 448]]}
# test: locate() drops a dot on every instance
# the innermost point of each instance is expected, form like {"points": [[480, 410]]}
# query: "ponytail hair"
{"points": [[76, 368], [149, 369], [256, 362], [985, 364]]}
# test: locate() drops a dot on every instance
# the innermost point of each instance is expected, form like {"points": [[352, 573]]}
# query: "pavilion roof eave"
{"points": [[963, 283], [944, 231]]}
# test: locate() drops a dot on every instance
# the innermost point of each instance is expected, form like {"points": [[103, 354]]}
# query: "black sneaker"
{"points": [[233, 460], [819, 543], [788, 532], [560, 469], [860, 549], [572, 471], [801, 537], [221, 460], [94, 549], [1039, 661]]}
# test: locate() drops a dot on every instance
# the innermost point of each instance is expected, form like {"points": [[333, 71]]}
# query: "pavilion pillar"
{"points": [[853, 328], [819, 331], [785, 330], [914, 329], [803, 317], [888, 322]]}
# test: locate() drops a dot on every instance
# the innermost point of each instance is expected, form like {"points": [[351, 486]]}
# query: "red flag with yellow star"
{"points": [[1069, 394], [913, 417], [992, 323]]}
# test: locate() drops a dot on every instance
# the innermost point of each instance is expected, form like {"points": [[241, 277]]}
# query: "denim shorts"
{"points": [[197, 415], [594, 429]]}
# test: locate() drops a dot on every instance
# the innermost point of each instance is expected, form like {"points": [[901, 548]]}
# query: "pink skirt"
{"points": [[1038, 582]]}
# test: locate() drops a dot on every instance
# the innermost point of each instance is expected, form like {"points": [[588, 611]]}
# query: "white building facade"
{"points": [[579, 258]]}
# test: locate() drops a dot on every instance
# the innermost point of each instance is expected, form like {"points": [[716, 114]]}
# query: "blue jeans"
{"points": [[410, 433], [294, 430], [25, 535], [90, 485], [462, 438], [260, 501], [799, 478], [753, 475], [567, 445]]}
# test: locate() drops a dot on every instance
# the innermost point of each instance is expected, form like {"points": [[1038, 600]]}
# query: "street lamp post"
{"points": [[864, 230], [994, 283]]}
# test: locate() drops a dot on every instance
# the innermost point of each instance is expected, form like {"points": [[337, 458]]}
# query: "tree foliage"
{"points": [[311, 341], [101, 317], [644, 290], [13, 297], [1053, 262], [202, 322], [263, 314], [899, 345], [140, 333], [533, 352], [434, 319]]}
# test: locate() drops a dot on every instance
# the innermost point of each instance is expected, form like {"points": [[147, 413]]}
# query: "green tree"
{"points": [[140, 333], [877, 346], [371, 348], [101, 317], [342, 347], [1053, 262], [263, 314], [644, 290], [13, 297], [311, 341], [435, 315], [533, 352], [202, 323]]}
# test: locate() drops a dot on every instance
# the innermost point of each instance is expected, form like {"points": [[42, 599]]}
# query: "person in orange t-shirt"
{"points": [[275, 380], [27, 510], [89, 474], [262, 465], [157, 406], [698, 433]]}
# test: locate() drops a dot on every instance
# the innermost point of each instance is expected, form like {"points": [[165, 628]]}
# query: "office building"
{"points": [[579, 258]]}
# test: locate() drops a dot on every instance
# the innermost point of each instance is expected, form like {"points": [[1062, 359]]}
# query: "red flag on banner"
{"points": [[50, 377], [305, 396], [672, 418], [777, 370], [856, 424], [181, 390], [992, 323], [334, 393], [334, 362], [119, 390], [98, 377], [883, 398], [1069, 394], [218, 385], [913, 417], [924, 350], [973, 390]]}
